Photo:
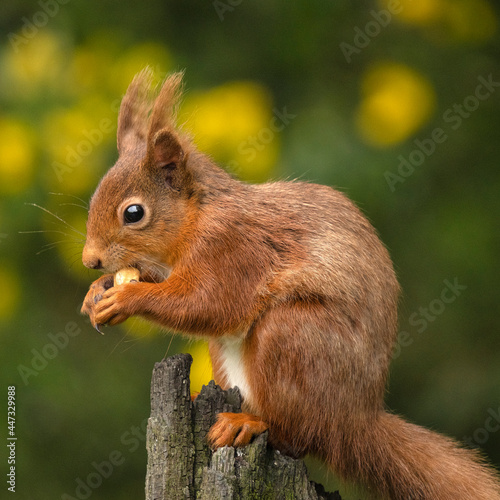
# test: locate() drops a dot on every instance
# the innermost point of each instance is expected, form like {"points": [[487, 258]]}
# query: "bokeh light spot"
{"points": [[17, 156], [396, 101], [201, 369], [233, 123]]}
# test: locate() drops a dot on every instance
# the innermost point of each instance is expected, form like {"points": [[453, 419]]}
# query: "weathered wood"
{"points": [[170, 433], [182, 466]]}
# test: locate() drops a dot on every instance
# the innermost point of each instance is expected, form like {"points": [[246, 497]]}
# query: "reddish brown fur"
{"points": [[295, 276]]}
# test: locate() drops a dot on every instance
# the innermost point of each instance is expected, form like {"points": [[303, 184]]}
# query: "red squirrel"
{"points": [[293, 290]]}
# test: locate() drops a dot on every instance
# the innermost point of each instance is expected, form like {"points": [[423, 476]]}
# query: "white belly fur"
{"points": [[231, 350]]}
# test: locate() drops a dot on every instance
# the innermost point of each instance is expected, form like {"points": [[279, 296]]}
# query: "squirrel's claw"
{"points": [[93, 297], [116, 305], [235, 429]]}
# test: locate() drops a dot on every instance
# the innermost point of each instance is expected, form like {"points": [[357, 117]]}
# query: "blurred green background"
{"points": [[396, 103]]}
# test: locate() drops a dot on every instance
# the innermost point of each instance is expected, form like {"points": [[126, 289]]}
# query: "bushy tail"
{"points": [[402, 461]]}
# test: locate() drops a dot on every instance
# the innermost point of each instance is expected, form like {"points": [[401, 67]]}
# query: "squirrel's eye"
{"points": [[133, 213]]}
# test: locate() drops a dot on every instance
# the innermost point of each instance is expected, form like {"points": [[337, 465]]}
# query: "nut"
{"points": [[127, 275]]}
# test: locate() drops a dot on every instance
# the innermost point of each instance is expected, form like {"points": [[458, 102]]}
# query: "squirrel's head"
{"points": [[139, 210]]}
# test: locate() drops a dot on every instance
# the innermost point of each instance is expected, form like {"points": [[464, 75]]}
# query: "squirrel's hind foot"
{"points": [[235, 429]]}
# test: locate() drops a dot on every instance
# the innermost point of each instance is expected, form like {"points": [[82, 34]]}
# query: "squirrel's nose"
{"points": [[90, 259], [95, 264]]}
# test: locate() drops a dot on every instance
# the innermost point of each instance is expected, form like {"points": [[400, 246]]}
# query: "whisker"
{"points": [[85, 204], [132, 343], [77, 258], [163, 266], [73, 205], [54, 231], [76, 252], [70, 240], [169, 345], [57, 217], [116, 346], [49, 246]]}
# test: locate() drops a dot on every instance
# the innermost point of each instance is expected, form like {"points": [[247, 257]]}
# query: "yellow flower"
{"points": [[36, 63], [201, 369], [17, 156], [126, 66], [63, 129], [234, 123], [416, 12], [90, 62], [396, 102], [78, 142], [104, 64], [461, 20]]}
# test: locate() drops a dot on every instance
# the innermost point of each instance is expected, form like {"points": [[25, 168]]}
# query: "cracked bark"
{"points": [[182, 466]]}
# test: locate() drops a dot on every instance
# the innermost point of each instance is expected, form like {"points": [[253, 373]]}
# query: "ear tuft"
{"points": [[164, 111], [145, 121], [135, 108]]}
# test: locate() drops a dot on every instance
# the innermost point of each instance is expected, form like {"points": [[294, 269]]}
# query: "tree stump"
{"points": [[182, 466]]}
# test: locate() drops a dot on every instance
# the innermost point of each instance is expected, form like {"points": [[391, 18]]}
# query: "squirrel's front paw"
{"points": [[94, 295], [116, 305]]}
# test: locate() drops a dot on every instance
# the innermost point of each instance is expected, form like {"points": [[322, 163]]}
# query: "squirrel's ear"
{"points": [[163, 114], [134, 112], [166, 149], [165, 152]]}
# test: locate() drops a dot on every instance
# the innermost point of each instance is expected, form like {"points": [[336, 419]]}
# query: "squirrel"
{"points": [[292, 288]]}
